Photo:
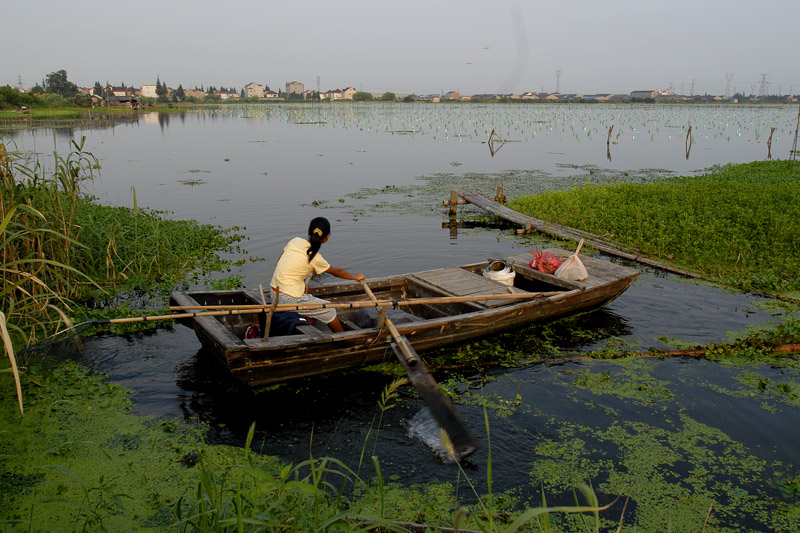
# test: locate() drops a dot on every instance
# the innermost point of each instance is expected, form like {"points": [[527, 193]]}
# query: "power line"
{"points": [[558, 81], [728, 77]]}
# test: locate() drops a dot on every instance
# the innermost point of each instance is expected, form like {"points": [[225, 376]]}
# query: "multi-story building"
{"points": [[294, 87]]}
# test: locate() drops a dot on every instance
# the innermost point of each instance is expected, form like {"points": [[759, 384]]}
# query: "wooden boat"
{"points": [[440, 319]]}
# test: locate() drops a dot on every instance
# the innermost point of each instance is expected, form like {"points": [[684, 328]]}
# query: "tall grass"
{"points": [[38, 241], [308, 496]]}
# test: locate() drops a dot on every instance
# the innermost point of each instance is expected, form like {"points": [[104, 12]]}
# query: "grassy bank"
{"points": [[736, 225]]}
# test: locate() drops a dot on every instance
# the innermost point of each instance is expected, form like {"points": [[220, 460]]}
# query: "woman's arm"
{"points": [[344, 274]]}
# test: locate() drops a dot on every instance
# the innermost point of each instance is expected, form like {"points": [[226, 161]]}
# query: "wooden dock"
{"points": [[556, 230]]}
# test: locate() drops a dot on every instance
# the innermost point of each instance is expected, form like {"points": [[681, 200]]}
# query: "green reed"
{"points": [[38, 240], [736, 225]]}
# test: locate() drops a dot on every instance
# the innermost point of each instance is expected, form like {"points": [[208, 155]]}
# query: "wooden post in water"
{"points": [[453, 203], [688, 142], [500, 197], [769, 143]]}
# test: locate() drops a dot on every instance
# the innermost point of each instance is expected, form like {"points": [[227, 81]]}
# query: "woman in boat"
{"points": [[300, 258]]}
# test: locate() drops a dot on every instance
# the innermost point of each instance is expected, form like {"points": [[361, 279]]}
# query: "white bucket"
{"points": [[499, 271]]}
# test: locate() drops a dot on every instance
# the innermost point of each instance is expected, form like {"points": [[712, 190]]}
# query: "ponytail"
{"points": [[317, 231]]}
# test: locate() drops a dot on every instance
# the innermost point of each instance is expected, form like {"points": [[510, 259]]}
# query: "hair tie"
{"points": [[318, 231]]}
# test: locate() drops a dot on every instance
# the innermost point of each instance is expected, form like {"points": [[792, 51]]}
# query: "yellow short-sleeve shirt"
{"points": [[293, 267]]}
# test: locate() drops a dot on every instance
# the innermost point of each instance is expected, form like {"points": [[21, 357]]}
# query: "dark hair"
{"points": [[317, 231]]}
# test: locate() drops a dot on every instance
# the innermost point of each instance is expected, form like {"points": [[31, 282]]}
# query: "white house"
{"points": [[253, 90], [149, 91]]}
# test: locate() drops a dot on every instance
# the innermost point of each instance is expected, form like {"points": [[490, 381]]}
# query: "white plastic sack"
{"points": [[573, 269]]}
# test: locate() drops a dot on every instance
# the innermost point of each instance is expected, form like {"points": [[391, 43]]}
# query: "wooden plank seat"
{"points": [[459, 282]]}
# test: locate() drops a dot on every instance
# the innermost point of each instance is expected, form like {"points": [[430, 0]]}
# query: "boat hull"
{"points": [[258, 363]]}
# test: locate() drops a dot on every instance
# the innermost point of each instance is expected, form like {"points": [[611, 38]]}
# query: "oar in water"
{"points": [[440, 407]]}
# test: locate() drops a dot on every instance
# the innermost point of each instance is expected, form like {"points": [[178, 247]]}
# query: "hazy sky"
{"points": [[404, 46]]}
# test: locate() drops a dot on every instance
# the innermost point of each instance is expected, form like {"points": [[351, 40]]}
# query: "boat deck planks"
{"points": [[459, 282]]}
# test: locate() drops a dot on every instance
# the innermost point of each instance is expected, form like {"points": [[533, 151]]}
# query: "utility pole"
{"points": [[558, 81], [728, 77], [691, 88], [762, 90], [19, 82]]}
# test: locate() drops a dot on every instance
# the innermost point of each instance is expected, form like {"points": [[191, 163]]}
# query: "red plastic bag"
{"points": [[544, 262]]}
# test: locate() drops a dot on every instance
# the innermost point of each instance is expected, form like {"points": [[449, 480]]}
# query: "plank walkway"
{"points": [[564, 232]]}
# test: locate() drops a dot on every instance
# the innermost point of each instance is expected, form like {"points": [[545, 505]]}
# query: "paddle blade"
{"points": [[441, 408]]}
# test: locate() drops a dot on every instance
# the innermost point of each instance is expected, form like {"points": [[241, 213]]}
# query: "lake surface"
{"points": [[379, 172]]}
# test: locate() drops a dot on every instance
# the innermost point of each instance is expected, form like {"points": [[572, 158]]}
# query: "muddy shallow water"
{"points": [[269, 170]]}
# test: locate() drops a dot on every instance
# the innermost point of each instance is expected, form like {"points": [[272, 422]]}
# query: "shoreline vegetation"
{"points": [[38, 113], [77, 458]]}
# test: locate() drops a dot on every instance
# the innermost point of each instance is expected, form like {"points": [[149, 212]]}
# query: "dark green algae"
{"points": [[78, 458], [642, 438]]}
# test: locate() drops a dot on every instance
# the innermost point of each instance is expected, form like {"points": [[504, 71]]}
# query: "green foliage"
{"points": [[11, 98], [736, 225], [388, 97], [57, 83], [38, 240], [361, 96]]}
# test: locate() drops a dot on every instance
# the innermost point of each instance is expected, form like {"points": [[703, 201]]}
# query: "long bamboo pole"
{"points": [[375, 303], [201, 311]]}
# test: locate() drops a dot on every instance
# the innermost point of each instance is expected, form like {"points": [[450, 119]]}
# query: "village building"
{"points": [[194, 93], [118, 91], [644, 94], [294, 87], [333, 94], [149, 91], [253, 90], [227, 95], [122, 101]]}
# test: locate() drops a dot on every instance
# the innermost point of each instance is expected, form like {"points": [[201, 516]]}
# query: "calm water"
{"points": [[264, 169]]}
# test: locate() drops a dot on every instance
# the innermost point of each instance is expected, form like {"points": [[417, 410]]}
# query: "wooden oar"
{"points": [[376, 303], [440, 407]]}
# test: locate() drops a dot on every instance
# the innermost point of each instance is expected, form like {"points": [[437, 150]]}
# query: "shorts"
{"points": [[324, 315]]}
